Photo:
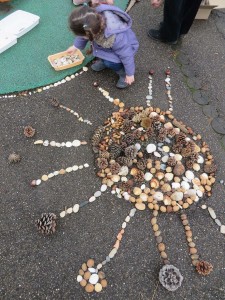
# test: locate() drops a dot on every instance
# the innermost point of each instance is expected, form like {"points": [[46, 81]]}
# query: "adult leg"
{"points": [[191, 9]]}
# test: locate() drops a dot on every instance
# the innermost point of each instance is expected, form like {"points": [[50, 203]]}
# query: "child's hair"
{"points": [[85, 21]]}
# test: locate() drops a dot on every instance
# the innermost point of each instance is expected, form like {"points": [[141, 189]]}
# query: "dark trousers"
{"points": [[178, 18]]}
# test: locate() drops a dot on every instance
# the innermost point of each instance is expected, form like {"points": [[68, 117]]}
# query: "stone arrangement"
{"points": [[149, 158]]}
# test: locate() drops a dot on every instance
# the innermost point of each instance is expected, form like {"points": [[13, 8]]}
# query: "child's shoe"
{"points": [[98, 65], [121, 83]]}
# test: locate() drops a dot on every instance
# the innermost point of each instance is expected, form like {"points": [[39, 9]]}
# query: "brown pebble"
{"points": [[166, 262], [187, 227], [155, 227], [176, 208], [194, 262], [191, 244], [83, 282], [169, 209], [87, 275], [157, 233], [189, 239], [89, 288], [163, 208], [193, 250], [84, 267], [153, 221], [62, 172], [195, 256], [81, 272], [183, 217], [159, 239], [104, 283], [90, 263], [163, 254], [161, 247], [189, 233], [185, 222], [155, 213], [101, 275]]}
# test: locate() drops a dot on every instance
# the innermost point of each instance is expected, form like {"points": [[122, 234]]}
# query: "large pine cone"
{"points": [[47, 223], [204, 267]]}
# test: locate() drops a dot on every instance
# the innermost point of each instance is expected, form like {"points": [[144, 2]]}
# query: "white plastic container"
{"points": [[14, 26]]}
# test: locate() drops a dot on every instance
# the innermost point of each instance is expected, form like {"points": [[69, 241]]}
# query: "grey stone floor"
{"points": [[37, 267]]}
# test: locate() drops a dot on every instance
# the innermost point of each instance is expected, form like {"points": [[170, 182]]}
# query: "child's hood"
{"points": [[117, 20]]}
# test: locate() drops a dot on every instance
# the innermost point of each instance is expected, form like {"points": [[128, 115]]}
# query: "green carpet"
{"points": [[25, 66]]}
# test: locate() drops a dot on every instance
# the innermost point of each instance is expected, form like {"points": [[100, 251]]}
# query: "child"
{"points": [[108, 28]]}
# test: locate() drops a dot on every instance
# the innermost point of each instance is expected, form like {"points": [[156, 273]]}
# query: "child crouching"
{"points": [[108, 28]]}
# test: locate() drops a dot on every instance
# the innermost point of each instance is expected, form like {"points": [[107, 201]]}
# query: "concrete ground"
{"points": [[38, 267]]}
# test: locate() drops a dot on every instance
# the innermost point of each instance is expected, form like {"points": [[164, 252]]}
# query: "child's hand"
{"points": [[71, 50], [129, 79], [156, 3]]}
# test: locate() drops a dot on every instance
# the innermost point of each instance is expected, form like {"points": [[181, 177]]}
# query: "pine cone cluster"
{"points": [[131, 152], [137, 134], [102, 163], [29, 131], [181, 138], [115, 168], [47, 223], [54, 102], [127, 126], [162, 134], [204, 267]]}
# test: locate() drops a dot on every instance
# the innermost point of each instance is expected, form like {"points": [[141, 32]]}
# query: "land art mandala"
{"points": [[149, 158]]}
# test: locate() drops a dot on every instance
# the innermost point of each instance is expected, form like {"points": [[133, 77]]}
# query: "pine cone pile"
{"points": [[170, 277], [204, 267], [47, 223], [29, 131]]}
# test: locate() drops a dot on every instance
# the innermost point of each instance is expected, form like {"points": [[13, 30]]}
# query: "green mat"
{"points": [[25, 66]]}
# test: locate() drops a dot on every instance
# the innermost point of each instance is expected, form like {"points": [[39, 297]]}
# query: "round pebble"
{"points": [[104, 283], [90, 263], [93, 278], [98, 287], [83, 282], [89, 288]]}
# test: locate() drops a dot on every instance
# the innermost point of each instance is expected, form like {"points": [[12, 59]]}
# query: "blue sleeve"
{"points": [[80, 42], [125, 52]]}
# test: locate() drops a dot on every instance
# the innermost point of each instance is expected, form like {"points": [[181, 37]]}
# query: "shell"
{"points": [[177, 196], [134, 171], [38, 142], [148, 176], [165, 158], [115, 178], [185, 185], [166, 188], [160, 175], [137, 191], [200, 159], [158, 196], [154, 183], [175, 185], [196, 167], [169, 176], [166, 149], [168, 125], [189, 174]]}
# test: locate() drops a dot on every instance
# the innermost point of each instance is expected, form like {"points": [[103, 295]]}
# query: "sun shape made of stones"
{"points": [[148, 157]]}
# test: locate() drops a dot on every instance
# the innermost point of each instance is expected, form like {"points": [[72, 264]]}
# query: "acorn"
{"points": [[95, 84], [167, 72], [151, 72]]}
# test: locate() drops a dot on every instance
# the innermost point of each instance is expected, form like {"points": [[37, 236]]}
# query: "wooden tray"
{"points": [[64, 53]]}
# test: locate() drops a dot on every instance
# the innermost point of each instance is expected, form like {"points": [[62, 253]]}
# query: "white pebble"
{"points": [[92, 199], [76, 143], [124, 225], [75, 168], [103, 188], [62, 214], [68, 144], [79, 278], [38, 181], [76, 208], [93, 278], [69, 210], [97, 194], [86, 165], [80, 167]]}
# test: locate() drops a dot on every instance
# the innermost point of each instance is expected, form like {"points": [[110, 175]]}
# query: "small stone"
{"points": [[87, 275], [98, 287], [76, 143], [68, 144], [104, 283], [79, 278], [93, 278], [217, 221], [92, 199], [83, 282], [159, 239], [103, 188], [76, 208], [44, 177], [38, 181], [69, 210], [212, 213], [89, 288], [222, 229], [90, 263], [75, 168], [112, 253], [62, 214], [140, 206], [97, 194]]}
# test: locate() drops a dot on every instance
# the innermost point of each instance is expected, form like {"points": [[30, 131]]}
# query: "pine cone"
{"points": [[171, 132], [96, 138], [171, 161], [102, 163], [54, 102], [125, 186], [115, 150], [137, 134], [157, 125], [170, 277], [181, 138], [103, 154], [29, 131], [194, 157], [162, 134], [131, 152], [150, 132], [128, 139], [115, 168], [14, 158], [141, 164], [189, 164], [47, 223], [204, 267], [124, 161], [139, 176], [127, 126], [210, 168], [177, 148], [186, 152]]}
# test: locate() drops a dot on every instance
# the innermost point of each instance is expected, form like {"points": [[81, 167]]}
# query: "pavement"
{"points": [[45, 267]]}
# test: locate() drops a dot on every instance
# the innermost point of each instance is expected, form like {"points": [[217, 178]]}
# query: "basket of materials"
{"points": [[63, 60]]}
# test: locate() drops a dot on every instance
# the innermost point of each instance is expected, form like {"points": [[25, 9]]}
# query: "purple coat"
{"points": [[125, 45]]}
